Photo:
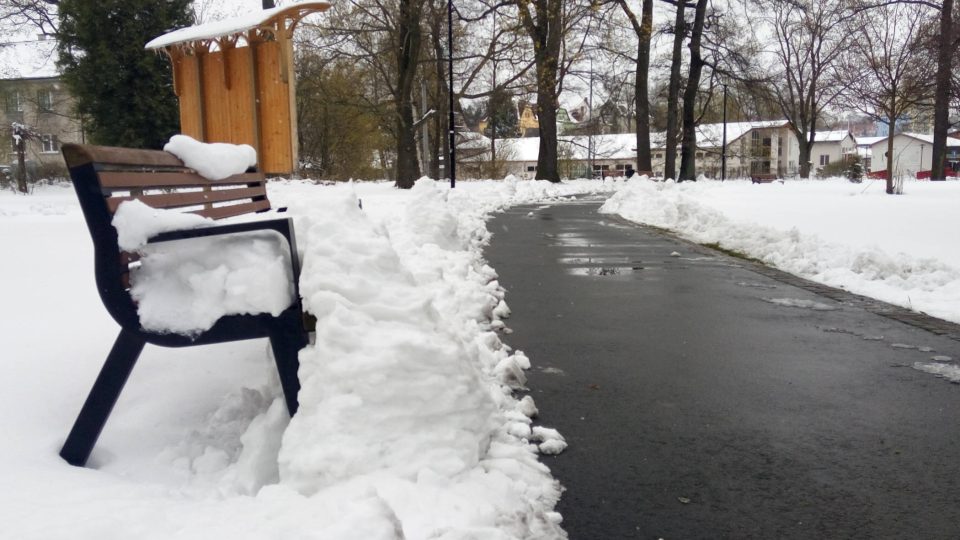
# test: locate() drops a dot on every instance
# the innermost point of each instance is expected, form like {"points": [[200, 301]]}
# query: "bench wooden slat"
{"points": [[81, 154], [221, 212], [125, 180], [190, 198]]}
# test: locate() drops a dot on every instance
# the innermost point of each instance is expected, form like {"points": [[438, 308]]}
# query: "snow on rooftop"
{"points": [[711, 135], [34, 59], [232, 25], [831, 136], [868, 141], [623, 145], [922, 137]]}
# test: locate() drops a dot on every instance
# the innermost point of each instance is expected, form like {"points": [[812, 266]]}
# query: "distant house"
{"points": [[32, 94], [832, 147], [753, 147], [763, 147], [912, 153], [865, 150], [565, 123], [528, 126]]}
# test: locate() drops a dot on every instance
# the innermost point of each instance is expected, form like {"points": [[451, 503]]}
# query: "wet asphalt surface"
{"points": [[697, 407]]}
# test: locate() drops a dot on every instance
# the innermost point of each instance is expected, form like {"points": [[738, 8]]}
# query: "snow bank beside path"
{"points": [[408, 428], [899, 249]]}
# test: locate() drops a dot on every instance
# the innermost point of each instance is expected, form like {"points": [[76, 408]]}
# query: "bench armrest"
{"points": [[284, 226]]}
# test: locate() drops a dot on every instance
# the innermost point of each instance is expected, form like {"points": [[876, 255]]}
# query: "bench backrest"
{"points": [[104, 177], [160, 180]]}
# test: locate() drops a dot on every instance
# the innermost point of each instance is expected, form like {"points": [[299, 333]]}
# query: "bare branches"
{"points": [[38, 14]]}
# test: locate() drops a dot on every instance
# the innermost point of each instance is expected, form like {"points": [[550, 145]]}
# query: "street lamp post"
{"points": [[452, 164], [723, 148]]}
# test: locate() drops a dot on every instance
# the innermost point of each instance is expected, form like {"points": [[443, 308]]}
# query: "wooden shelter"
{"points": [[235, 81]]}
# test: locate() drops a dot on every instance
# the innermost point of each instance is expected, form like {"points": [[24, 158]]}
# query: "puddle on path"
{"points": [[611, 270]]}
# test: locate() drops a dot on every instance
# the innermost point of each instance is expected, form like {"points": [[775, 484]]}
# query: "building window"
{"points": [[14, 104], [531, 168], [49, 144], [824, 159], [44, 100], [699, 154], [658, 156]]}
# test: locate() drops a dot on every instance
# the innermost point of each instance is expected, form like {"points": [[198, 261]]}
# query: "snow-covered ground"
{"points": [[409, 426], [903, 249]]}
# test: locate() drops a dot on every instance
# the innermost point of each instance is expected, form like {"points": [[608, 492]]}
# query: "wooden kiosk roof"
{"points": [[234, 81], [239, 26]]}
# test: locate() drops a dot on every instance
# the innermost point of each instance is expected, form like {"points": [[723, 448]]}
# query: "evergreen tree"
{"points": [[124, 93], [501, 115]]}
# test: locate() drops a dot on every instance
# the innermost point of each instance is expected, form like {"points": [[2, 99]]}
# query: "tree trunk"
{"points": [[892, 122], [408, 30], [547, 118], [440, 145], [941, 108], [804, 157], [641, 92], [688, 162], [22, 163], [673, 93], [546, 33]]}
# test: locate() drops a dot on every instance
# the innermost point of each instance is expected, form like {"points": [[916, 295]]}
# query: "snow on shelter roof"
{"points": [[236, 25]]}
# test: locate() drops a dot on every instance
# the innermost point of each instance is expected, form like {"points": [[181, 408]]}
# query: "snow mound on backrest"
{"points": [[214, 161]]}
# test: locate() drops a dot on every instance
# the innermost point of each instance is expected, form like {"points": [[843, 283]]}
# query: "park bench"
{"points": [[103, 178], [763, 178]]}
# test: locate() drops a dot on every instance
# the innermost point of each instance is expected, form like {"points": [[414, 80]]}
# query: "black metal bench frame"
{"points": [[88, 165]]}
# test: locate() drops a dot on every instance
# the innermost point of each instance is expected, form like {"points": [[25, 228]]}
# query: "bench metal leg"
{"points": [[287, 337], [86, 430]]}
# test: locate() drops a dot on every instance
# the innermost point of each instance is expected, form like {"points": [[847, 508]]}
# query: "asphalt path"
{"points": [[703, 399]]}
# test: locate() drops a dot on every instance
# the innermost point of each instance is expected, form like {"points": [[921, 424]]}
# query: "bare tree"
{"points": [[884, 72], [688, 140], [809, 40], [947, 47], [547, 24], [643, 28], [384, 36], [673, 91], [39, 14], [408, 38]]}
